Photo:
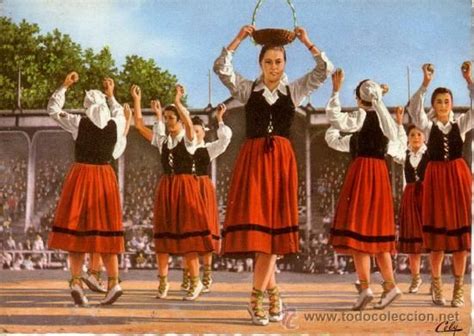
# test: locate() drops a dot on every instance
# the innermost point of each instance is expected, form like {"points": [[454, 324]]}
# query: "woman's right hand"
{"points": [[156, 107], [428, 72], [70, 79], [337, 79], [136, 92], [245, 32]]}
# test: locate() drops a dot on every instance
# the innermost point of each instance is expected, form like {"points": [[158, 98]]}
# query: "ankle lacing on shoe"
{"points": [[437, 291], [256, 303], [193, 283], [386, 285], [163, 283], [275, 301], [458, 292], [75, 279], [206, 277], [186, 279]]}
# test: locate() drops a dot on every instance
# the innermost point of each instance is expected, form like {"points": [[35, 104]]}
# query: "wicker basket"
{"points": [[273, 36]]}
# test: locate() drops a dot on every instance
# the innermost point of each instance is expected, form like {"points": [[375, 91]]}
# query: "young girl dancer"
{"points": [[205, 153], [410, 239], [262, 208], [364, 222], [88, 217], [180, 216], [447, 185]]}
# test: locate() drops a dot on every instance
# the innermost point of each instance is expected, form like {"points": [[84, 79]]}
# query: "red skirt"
{"points": [[364, 220], [447, 206], [88, 217], [180, 216], [208, 193], [262, 205], [410, 238]]}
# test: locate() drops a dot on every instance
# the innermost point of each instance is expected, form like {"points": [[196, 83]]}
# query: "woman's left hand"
{"points": [[466, 72], [302, 35]]}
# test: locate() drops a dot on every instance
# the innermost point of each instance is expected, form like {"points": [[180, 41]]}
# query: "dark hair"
{"points": [[198, 121], [357, 92], [438, 91], [410, 127], [267, 47], [172, 108]]}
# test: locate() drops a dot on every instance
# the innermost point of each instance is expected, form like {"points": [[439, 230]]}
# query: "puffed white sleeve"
{"points": [[416, 110], [118, 116], [345, 122], [159, 134], [303, 86], [397, 149], [336, 141], [67, 121], [224, 135], [239, 87]]}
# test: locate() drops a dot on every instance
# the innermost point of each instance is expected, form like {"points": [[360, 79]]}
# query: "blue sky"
{"points": [[375, 39]]}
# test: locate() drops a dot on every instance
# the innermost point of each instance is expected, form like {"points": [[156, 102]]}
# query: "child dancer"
{"points": [[205, 153], [410, 240], [447, 185]]}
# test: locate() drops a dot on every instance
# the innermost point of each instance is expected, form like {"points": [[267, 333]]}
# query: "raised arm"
{"points": [[303, 86], [465, 120], [184, 113], [128, 116], [68, 122], [345, 122], [397, 149], [138, 117], [118, 116], [224, 134], [416, 107], [387, 124], [239, 87]]}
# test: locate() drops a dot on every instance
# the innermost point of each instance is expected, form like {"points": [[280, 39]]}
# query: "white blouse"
{"points": [[241, 88], [422, 121], [70, 122], [353, 121], [396, 149], [216, 148], [159, 137]]}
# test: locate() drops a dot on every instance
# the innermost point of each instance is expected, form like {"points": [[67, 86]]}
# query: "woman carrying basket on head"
{"points": [[262, 208]]}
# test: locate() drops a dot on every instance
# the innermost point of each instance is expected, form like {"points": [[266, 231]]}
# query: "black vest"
{"points": [[263, 119], [369, 141], [95, 145], [176, 160], [202, 161], [417, 174], [445, 147]]}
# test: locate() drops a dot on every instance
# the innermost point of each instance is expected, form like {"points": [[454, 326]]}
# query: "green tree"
{"points": [[96, 68], [154, 82], [45, 60], [18, 50]]}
